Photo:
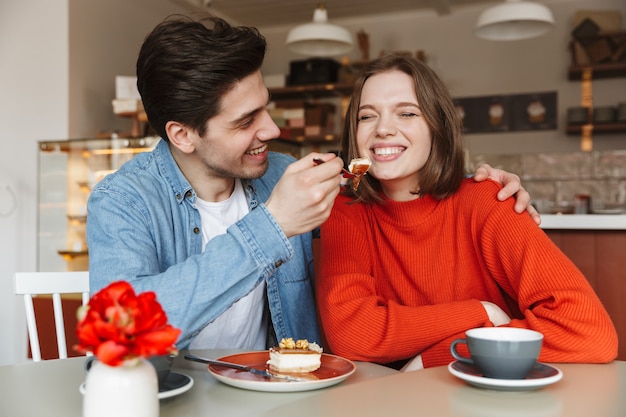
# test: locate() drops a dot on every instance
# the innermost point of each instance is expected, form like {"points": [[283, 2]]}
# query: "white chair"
{"points": [[55, 284]]}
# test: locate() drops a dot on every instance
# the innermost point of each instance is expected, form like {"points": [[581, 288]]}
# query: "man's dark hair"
{"points": [[185, 67]]}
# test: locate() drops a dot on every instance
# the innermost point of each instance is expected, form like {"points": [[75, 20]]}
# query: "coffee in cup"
{"points": [[500, 352]]}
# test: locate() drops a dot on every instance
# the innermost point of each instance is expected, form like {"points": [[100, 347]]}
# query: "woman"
{"points": [[419, 253]]}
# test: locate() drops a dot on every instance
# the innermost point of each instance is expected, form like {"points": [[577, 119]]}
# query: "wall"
{"points": [[33, 105], [56, 81], [554, 179], [474, 67], [104, 40]]}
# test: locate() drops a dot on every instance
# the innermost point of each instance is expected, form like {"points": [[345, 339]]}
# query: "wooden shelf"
{"points": [[304, 140], [604, 128], [605, 70], [609, 51], [77, 218], [68, 255], [313, 90]]}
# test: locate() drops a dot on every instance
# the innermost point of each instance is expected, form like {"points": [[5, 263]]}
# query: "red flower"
{"points": [[118, 325]]}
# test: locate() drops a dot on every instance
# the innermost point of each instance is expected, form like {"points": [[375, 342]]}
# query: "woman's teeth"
{"points": [[387, 151]]}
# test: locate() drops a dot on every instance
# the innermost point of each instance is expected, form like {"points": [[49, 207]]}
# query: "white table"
{"points": [[51, 388], [584, 391]]}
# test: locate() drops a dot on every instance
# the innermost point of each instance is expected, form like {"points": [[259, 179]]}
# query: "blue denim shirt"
{"points": [[143, 227]]}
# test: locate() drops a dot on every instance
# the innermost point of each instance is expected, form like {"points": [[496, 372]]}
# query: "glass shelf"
{"points": [[68, 171]]}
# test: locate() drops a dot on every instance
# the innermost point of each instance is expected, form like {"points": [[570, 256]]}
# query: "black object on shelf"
{"points": [[585, 30], [313, 71]]}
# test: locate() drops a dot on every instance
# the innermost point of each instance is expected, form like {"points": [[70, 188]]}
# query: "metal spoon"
{"points": [[244, 368], [346, 173]]}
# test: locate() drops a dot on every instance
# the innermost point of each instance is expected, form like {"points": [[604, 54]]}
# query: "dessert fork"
{"points": [[346, 173], [244, 368]]}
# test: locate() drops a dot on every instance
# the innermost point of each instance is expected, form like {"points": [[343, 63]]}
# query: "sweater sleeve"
{"points": [[551, 294], [358, 323]]}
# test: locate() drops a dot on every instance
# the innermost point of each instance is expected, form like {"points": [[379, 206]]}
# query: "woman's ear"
{"points": [[180, 136]]}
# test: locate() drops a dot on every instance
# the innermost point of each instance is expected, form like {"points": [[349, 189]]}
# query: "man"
{"points": [[220, 228]]}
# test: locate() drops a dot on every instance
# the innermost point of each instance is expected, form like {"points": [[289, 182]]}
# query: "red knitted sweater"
{"points": [[402, 278]]}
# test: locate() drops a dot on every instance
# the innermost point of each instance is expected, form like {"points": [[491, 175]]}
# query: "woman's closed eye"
{"points": [[364, 117]]}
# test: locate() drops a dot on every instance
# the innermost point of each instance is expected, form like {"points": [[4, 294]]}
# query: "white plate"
{"points": [[175, 384], [334, 369], [541, 375]]}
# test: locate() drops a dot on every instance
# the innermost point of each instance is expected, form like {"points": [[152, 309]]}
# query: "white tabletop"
{"points": [[584, 391], [50, 388]]}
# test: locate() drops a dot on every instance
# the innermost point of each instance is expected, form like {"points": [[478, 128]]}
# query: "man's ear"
{"points": [[180, 136]]}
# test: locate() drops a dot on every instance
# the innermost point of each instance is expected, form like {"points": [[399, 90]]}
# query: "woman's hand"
{"points": [[511, 186], [496, 315]]}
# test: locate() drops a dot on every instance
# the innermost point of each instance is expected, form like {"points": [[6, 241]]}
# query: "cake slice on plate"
{"points": [[295, 357]]}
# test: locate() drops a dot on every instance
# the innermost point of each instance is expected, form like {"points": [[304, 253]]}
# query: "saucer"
{"points": [[540, 376], [174, 385]]}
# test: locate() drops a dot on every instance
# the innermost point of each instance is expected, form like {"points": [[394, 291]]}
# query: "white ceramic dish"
{"points": [[541, 376], [334, 369], [175, 384]]}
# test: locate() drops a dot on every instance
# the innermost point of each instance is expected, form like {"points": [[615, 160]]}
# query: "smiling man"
{"points": [[216, 225], [219, 227]]}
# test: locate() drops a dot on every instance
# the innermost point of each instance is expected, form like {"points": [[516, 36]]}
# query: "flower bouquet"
{"points": [[123, 329]]}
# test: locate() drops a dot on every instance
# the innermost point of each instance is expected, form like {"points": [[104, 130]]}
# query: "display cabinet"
{"points": [[68, 170]]}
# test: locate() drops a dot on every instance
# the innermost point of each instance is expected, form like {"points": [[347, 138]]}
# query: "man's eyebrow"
{"points": [[245, 116]]}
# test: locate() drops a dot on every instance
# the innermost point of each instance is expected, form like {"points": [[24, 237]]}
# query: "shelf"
{"points": [[102, 145], [78, 218], [68, 255], [315, 90], [605, 52], [605, 128], [605, 70], [304, 140]]}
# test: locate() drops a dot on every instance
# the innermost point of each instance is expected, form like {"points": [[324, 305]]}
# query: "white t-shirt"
{"points": [[244, 324]]}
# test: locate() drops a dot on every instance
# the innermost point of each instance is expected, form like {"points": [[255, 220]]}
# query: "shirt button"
{"points": [[178, 196], [278, 263], [188, 194], [196, 230]]}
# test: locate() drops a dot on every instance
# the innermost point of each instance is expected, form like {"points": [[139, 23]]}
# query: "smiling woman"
{"points": [[416, 255]]}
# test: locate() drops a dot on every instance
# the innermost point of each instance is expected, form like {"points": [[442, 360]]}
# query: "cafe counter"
{"points": [[596, 243], [583, 221]]}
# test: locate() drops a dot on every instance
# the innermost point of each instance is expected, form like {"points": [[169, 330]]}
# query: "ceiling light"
{"points": [[319, 38], [514, 20]]}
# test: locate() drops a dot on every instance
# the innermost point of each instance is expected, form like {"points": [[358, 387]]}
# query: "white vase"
{"points": [[130, 389]]}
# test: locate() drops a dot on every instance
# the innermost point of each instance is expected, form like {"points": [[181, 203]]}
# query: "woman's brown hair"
{"points": [[444, 170]]}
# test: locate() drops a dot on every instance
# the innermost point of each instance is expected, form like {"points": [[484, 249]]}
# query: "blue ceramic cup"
{"points": [[500, 352]]}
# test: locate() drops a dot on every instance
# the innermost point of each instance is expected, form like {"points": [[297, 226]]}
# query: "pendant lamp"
{"points": [[514, 20], [319, 38]]}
